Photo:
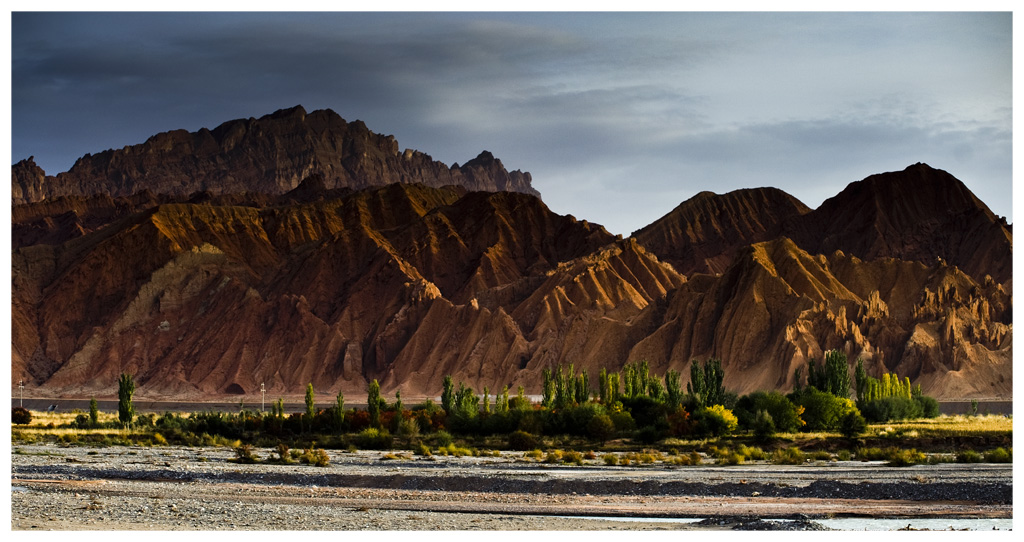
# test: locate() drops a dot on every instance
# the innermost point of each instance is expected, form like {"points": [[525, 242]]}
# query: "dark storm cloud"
{"points": [[618, 116]]}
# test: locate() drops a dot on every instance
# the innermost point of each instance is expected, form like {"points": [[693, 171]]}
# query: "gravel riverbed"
{"points": [[180, 488]]}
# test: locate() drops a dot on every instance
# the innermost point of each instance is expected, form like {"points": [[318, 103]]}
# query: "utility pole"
{"points": [[263, 396]]}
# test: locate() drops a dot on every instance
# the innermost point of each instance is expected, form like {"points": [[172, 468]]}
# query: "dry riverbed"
{"points": [[179, 488]]}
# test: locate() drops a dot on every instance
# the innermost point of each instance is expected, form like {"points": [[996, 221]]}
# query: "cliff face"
{"points": [[268, 155], [300, 248]]}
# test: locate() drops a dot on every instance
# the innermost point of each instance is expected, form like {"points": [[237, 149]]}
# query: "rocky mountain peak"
{"points": [[269, 155]]}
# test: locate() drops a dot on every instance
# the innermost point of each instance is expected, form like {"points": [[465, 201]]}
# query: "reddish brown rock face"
{"points": [[203, 294]]}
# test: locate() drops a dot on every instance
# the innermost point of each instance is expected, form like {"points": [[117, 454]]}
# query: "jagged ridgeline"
{"points": [[300, 248]]}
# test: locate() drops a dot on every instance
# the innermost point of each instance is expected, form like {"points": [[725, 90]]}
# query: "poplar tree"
{"points": [[125, 390], [373, 403], [310, 405], [448, 395]]}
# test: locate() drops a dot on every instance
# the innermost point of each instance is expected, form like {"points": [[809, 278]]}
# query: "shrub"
{"points": [[534, 454], [244, 454], [623, 421], [751, 452], [372, 438], [600, 427], [442, 438], [610, 459], [788, 456], [81, 422], [521, 441], [852, 424], [317, 457], [822, 411], [423, 450], [159, 439], [903, 458], [969, 456], [572, 457], [784, 414], [554, 456], [869, 454], [763, 426], [715, 421], [929, 406], [282, 453], [648, 435], [999, 455], [731, 459], [21, 416], [408, 428], [843, 455], [892, 408]]}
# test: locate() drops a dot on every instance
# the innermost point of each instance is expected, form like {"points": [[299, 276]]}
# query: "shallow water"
{"points": [[862, 524]]}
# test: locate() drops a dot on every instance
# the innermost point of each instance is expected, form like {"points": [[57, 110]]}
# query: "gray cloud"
{"points": [[618, 116]]}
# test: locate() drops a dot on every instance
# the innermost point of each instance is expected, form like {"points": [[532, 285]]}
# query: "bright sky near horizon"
{"points": [[619, 117]]}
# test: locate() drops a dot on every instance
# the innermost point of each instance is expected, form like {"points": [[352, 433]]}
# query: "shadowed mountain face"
{"points": [[919, 214], [211, 292]]}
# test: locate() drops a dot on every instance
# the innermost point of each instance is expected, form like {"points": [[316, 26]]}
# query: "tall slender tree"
{"points": [[125, 407], [373, 403], [448, 395], [310, 403]]}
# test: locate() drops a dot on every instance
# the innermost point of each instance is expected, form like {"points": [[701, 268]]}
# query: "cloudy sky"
{"points": [[619, 117]]}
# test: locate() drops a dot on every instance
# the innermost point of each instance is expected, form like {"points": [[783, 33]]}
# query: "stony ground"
{"points": [[177, 488]]}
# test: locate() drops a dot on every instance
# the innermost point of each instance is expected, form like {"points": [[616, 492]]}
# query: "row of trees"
{"points": [[632, 401]]}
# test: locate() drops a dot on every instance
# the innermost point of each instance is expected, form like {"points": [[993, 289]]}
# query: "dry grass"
{"points": [[946, 426]]}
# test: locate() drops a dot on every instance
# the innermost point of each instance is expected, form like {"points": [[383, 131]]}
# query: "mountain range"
{"points": [[300, 248]]}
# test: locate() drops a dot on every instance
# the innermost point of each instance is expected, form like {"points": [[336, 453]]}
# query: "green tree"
{"points": [[374, 404], [706, 382], [695, 387], [339, 411], [94, 412], [487, 400], [398, 402], [837, 374], [550, 389], [860, 380], [448, 395], [602, 386], [310, 405], [502, 402], [125, 390], [673, 389]]}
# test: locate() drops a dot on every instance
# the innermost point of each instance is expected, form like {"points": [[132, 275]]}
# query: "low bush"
{"points": [[244, 454], [573, 457], [522, 441], [21, 416], [788, 456], [903, 458], [852, 424], [715, 421], [891, 409], [999, 455], [315, 456], [610, 459], [969, 456], [372, 438]]}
